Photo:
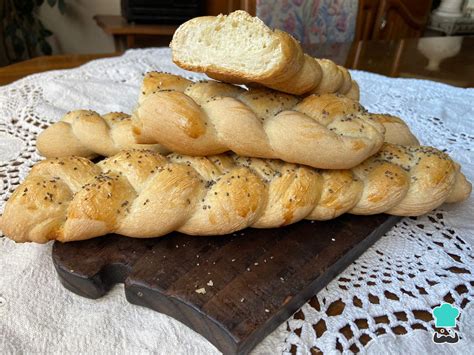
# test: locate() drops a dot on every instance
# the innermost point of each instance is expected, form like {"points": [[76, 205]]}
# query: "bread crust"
{"points": [[295, 72], [327, 131], [142, 194], [87, 134]]}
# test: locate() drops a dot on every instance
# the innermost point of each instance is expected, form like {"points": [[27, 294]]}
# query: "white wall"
{"points": [[76, 31]]}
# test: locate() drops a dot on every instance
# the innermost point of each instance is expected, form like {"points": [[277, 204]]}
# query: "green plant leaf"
{"points": [[18, 46], [30, 18], [45, 32], [40, 25], [24, 7], [46, 48], [62, 6], [52, 2], [10, 30], [32, 38]]}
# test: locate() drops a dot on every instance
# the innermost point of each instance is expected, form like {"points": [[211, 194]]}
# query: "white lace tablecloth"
{"points": [[391, 288]]}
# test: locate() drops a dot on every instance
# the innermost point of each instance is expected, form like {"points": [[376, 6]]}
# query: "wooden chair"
{"points": [[216, 7], [366, 17]]}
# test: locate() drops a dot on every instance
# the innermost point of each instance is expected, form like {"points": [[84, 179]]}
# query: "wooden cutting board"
{"points": [[235, 289]]}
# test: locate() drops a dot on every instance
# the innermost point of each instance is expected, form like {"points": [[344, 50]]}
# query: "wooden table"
{"points": [[17, 71], [125, 33], [400, 58]]}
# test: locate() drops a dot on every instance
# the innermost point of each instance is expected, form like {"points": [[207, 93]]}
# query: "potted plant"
{"points": [[22, 34]]}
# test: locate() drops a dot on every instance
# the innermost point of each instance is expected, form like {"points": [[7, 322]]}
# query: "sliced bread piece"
{"points": [[241, 49]]}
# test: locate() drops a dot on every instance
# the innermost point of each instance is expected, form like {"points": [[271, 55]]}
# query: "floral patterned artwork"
{"points": [[311, 21]]}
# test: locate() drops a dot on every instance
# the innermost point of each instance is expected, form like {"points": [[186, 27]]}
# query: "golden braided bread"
{"points": [[240, 49], [204, 118], [139, 193], [87, 134]]}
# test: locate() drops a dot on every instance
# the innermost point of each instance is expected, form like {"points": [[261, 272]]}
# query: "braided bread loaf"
{"points": [[88, 134], [139, 193], [240, 49], [204, 118]]}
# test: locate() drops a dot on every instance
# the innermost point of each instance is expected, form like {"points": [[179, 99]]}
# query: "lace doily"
{"points": [[381, 303]]}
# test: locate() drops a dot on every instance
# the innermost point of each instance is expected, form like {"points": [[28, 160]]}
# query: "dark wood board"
{"points": [[260, 277]]}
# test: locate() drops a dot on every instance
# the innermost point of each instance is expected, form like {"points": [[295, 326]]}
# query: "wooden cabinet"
{"points": [[391, 19], [395, 20], [401, 19]]}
